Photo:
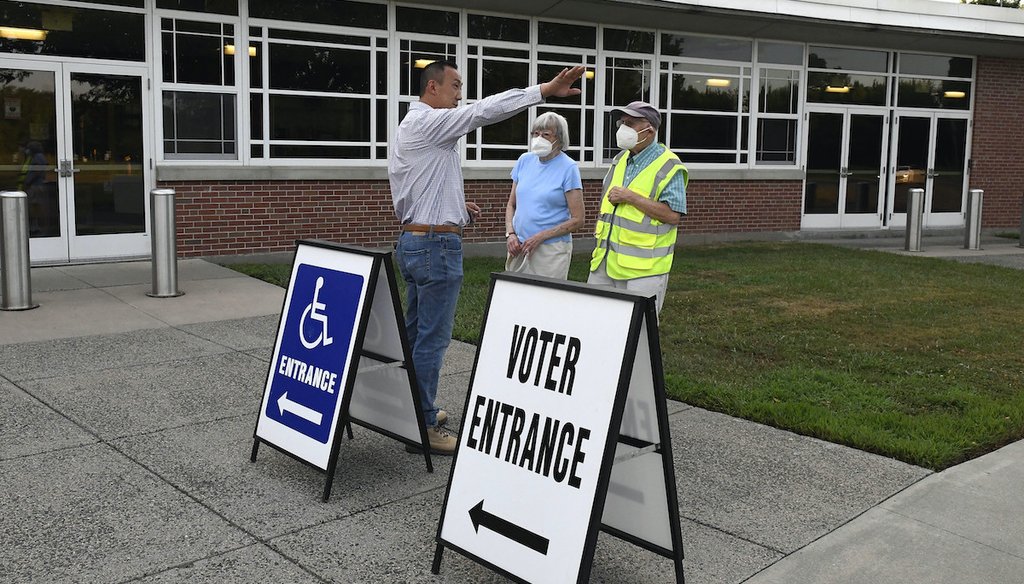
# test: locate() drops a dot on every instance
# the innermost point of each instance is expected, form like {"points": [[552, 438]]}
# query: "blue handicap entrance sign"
{"points": [[306, 377], [340, 358]]}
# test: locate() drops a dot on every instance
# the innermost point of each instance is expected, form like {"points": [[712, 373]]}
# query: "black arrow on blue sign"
{"points": [[510, 530]]}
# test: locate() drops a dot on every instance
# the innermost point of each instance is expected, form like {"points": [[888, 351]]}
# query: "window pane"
{"points": [[846, 88], [352, 152], [936, 66], [128, 3], [256, 116], [779, 91], [950, 154], [337, 12], [776, 141], [566, 35], [512, 131], [934, 93], [633, 41], [75, 32], [256, 65], [628, 80], [498, 28], [500, 76], [703, 92], [781, 53], [316, 37], [545, 72], [706, 47], [197, 59], [427, 21], [415, 55], [709, 157], [319, 118], [306, 68], [703, 132], [199, 123], [213, 6], [848, 59]]}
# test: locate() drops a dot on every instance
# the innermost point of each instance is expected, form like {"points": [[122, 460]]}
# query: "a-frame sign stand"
{"points": [[565, 434], [341, 357]]}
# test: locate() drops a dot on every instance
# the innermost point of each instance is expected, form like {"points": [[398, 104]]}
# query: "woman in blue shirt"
{"points": [[546, 202]]}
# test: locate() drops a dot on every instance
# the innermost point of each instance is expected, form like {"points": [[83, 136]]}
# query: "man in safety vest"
{"points": [[643, 201]]}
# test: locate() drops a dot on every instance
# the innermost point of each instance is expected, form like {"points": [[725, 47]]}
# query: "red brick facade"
{"points": [[998, 141], [242, 217]]}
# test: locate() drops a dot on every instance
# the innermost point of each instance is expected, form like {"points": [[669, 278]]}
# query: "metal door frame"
{"points": [[841, 219], [953, 219], [68, 247]]}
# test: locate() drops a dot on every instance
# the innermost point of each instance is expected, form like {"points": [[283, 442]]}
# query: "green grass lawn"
{"points": [[915, 358]]}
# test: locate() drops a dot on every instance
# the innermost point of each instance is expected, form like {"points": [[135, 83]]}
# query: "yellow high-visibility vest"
{"points": [[635, 244]]}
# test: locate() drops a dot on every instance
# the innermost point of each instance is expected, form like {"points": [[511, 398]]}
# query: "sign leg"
{"points": [[426, 456], [255, 449], [436, 567], [331, 466], [348, 428]]}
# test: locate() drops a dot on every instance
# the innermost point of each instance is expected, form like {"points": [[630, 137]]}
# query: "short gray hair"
{"points": [[549, 121]]}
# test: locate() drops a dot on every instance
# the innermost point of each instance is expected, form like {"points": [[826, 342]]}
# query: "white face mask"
{"points": [[627, 138], [541, 147]]}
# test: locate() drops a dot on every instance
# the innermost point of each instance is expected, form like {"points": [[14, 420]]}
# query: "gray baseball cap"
{"points": [[641, 109]]}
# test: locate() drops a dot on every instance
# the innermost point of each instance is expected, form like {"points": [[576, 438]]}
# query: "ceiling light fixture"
{"points": [[25, 34]]}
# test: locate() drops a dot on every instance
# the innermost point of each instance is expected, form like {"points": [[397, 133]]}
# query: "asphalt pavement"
{"points": [[127, 423]]}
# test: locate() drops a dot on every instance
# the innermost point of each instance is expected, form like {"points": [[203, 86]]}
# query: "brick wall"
{"points": [[244, 217], [997, 141]]}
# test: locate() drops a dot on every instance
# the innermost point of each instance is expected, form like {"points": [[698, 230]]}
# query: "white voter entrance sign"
{"points": [[341, 357], [565, 434]]}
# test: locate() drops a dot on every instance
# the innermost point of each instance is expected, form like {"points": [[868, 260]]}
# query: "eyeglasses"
{"points": [[546, 134], [620, 122]]}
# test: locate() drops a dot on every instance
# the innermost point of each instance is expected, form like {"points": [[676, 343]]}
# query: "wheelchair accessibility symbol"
{"points": [[315, 311]]}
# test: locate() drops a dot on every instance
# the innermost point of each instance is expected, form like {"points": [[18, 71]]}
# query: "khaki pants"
{"points": [[549, 259], [650, 285]]}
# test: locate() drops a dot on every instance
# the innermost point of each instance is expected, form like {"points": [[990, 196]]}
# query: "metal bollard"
{"points": [[164, 244], [972, 227], [915, 219], [15, 269]]}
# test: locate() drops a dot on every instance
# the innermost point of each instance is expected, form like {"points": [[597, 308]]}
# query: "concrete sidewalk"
{"points": [[126, 428]]}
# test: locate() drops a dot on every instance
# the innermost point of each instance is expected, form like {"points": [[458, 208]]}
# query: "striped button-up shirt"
{"points": [[674, 194], [425, 169]]}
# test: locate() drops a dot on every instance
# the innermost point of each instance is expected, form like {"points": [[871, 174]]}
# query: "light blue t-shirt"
{"points": [[540, 194]]}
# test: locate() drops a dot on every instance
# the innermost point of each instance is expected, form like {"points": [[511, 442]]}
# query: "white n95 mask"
{"points": [[626, 138], [541, 147]]}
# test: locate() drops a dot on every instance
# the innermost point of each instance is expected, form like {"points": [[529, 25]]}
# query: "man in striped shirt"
{"points": [[425, 171]]}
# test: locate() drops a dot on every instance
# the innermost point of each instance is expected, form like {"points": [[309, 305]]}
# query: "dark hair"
{"points": [[434, 72]]}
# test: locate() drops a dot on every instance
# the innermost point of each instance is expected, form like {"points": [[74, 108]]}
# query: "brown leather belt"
{"points": [[422, 229]]}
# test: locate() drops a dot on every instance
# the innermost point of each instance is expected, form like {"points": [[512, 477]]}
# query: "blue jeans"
{"points": [[431, 266]]}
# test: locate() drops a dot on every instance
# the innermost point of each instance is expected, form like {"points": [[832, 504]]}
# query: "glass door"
{"points": [[104, 164], [930, 153], [73, 138], [845, 169], [31, 140]]}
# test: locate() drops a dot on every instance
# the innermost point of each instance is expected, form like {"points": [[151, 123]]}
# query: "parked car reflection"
{"points": [[910, 174]]}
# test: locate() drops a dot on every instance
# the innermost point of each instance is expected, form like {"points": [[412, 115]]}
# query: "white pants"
{"points": [[649, 285], [548, 259]]}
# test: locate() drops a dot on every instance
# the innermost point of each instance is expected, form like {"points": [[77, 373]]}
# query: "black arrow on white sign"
{"points": [[510, 530]]}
